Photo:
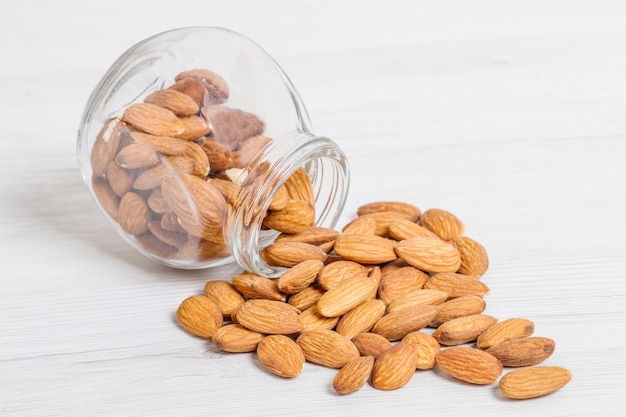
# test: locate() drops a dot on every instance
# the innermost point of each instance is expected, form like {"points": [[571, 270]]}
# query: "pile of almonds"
{"points": [[396, 291], [169, 167]]}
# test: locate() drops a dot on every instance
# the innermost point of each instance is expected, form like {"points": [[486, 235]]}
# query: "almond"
{"points": [[534, 382], [327, 348], [371, 344], [257, 287], [463, 329], [429, 254], [199, 315], [427, 349], [173, 100], [269, 317], [251, 149], [109, 201], [194, 88], [280, 199], [409, 211], [442, 223], [417, 298], [235, 338], [156, 203], [365, 249], [457, 285], [300, 276], [121, 179], [336, 272], [220, 157], [296, 217], [153, 119], [300, 187], [470, 365], [134, 214], [513, 328], [360, 226], [463, 306], [474, 260], [281, 356], [313, 235], [137, 155], [311, 319], [403, 229], [225, 295], [106, 145], [361, 318], [395, 367], [201, 166], [217, 82], [353, 375], [194, 128], [169, 237], [526, 351], [306, 298], [399, 282], [289, 254], [396, 325], [345, 296]]}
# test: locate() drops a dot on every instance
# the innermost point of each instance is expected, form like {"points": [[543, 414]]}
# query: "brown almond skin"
{"points": [[300, 276], [403, 229], [106, 145], [427, 349], [281, 356], [383, 220], [411, 212], [134, 214], [108, 200], [313, 235], [311, 319], [354, 375], [295, 218], [474, 259], [306, 298], [336, 272], [429, 254], [269, 317], [470, 365], [257, 287], [458, 307], [199, 315], [327, 348], [345, 296], [225, 295], [365, 249], [417, 297], [395, 367], [533, 382], [513, 328], [371, 344], [457, 285], [396, 325], [153, 119], [289, 254], [360, 226], [526, 351], [236, 339], [400, 281], [361, 318], [443, 223], [463, 329]]}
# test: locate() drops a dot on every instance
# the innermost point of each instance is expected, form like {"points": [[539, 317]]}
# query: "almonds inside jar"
{"points": [[169, 169]]}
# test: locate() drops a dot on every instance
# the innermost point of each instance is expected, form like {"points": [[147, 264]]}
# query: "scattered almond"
{"points": [[281, 356], [327, 348], [395, 367], [353, 375], [514, 328], [525, 351], [534, 382], [470, 365]]}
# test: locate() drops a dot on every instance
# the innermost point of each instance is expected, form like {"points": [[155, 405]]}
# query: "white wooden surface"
{"points": [[511, 114]]}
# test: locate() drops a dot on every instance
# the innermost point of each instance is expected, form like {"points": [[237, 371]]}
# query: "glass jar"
{"points": [[198, 149]]}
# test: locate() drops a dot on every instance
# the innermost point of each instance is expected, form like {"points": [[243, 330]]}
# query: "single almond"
{"points": [[106, 145], [269, 317], [220, 157], [463, 329], [513, 328], [173, 100], [427, 349], [314, 235], [109, 201], [327, 348], [194, 128], [153, 119], [470, 365], [281, 356], [289, 254], [360, 226], [353, 375], [300, 187], [534, 382], [399, 282], [417, 298], [345, 296], [474, 259], [134, 214], [199, 315], [225, 295], [396, 325], [164, 144], [201, 165], [403, 229], [429, 254], [137, 155], [365, 249], [395, 367], [300, 276], [156, 203], [306, 298], [410, 211], [463, 306], [392, 266], [336, 272], [217, 83], [525, 351], [235, 338], [361, 318], [311, 319], [257, 287], [120, 179], [371, 344], [457, 285], [296, 217], [443, 223]]}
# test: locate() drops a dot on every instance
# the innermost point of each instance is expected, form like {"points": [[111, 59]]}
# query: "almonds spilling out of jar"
{"points": [[168, 169], [395, 292]]}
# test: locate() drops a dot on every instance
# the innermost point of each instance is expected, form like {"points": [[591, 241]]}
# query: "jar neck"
{"points": [[328, 168]]}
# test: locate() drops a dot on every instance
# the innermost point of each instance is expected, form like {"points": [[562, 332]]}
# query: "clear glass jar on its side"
{"points": [[198, 149]]}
